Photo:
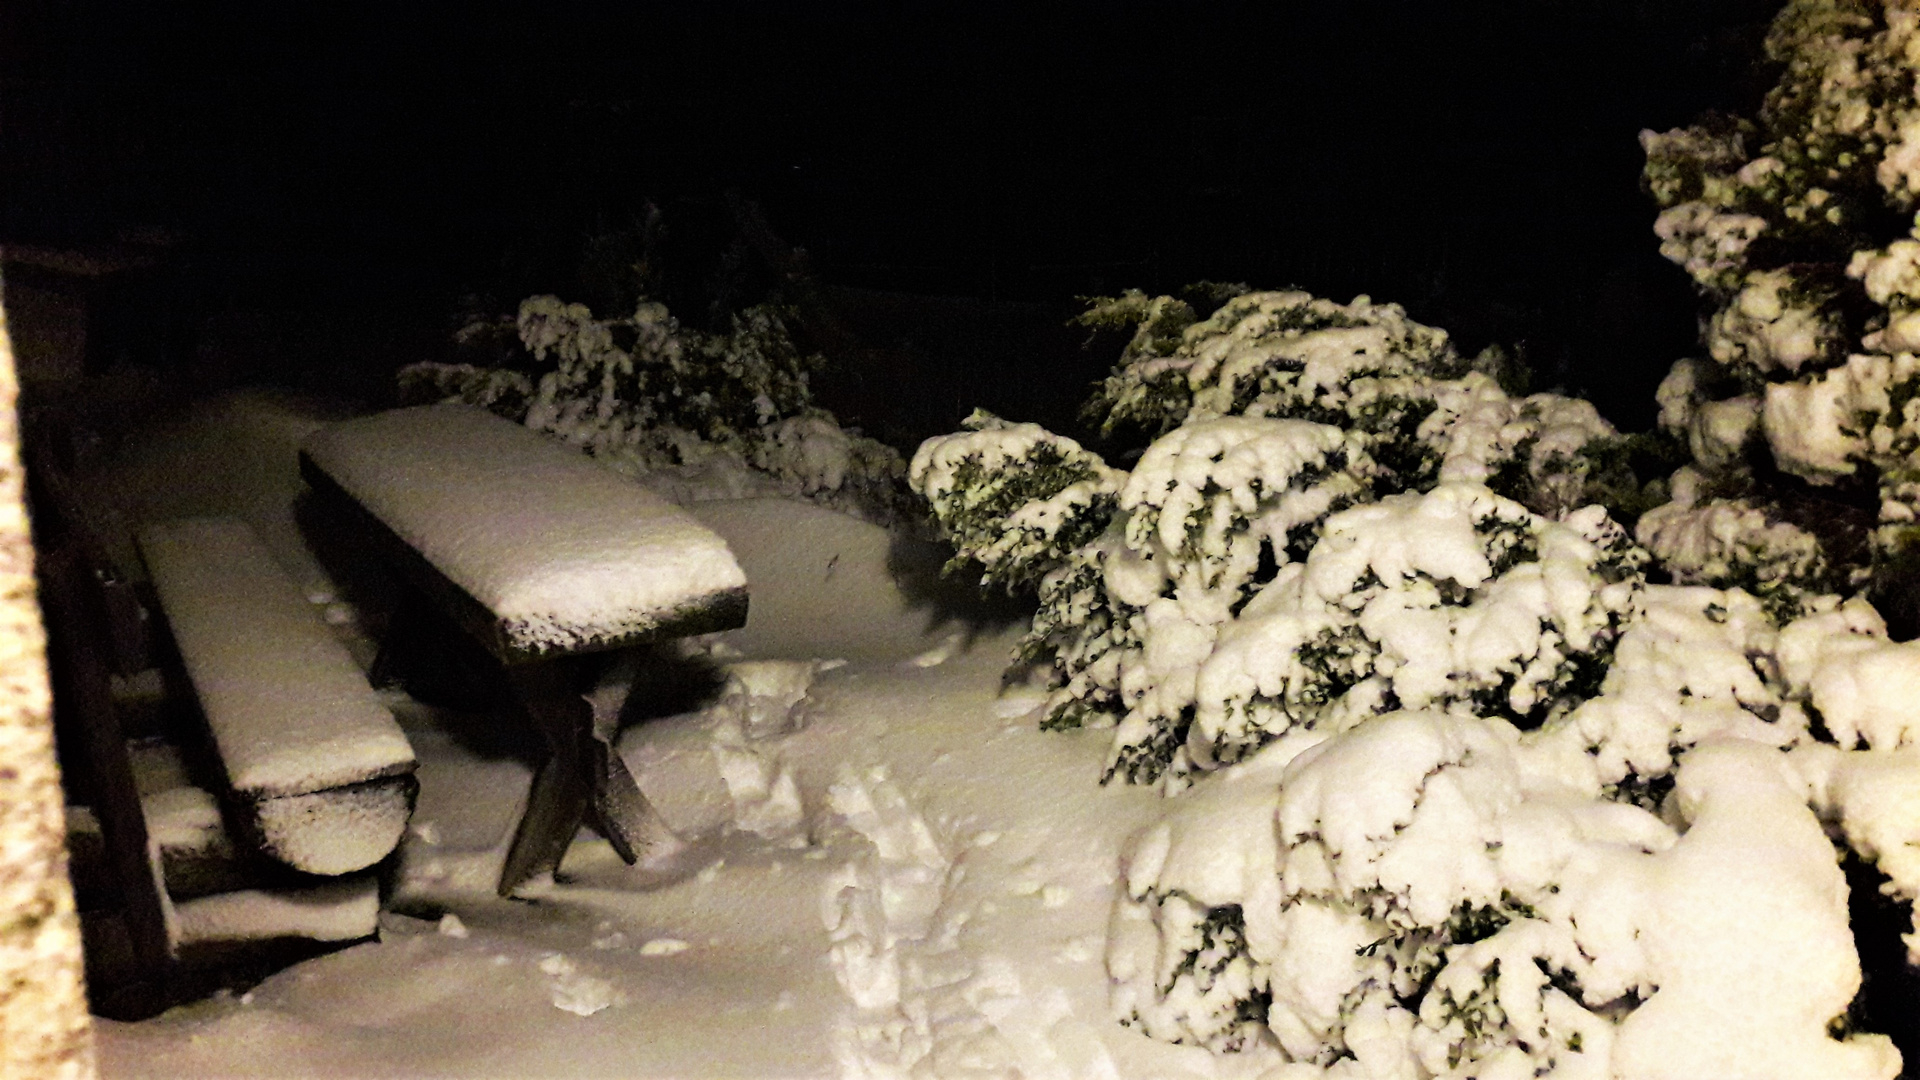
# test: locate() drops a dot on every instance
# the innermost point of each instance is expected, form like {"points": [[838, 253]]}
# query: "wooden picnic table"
{"points": [[548, 560]]}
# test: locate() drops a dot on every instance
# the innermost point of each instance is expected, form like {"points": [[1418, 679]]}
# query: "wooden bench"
{"points": [[549, 561], [166, 890], [320, 773]]}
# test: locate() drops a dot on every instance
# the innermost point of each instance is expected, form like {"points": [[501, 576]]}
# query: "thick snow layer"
{"points": [[563, 551], [722, 964], [1749, 893], [1811, 427], [341, 910], [290, 711], [889, 872], [1876, 800]]}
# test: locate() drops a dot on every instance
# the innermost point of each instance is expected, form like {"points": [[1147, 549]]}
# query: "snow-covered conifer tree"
{"points": [[1797, 225], [1272, 415], [646, 395]]}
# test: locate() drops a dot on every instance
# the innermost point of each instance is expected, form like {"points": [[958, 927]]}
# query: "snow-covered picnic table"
{"points": [[545, 558]]}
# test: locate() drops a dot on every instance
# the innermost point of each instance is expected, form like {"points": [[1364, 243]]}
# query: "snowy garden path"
{"points": [[914, 881]]}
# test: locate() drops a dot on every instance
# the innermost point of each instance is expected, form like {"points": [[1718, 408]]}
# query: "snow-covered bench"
{"points": [[321, 774], [545, 558]]}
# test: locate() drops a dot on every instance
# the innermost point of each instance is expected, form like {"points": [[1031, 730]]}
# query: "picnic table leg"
{"points": [[583, 778], [388, 665], [557, 803], [621, 811]]}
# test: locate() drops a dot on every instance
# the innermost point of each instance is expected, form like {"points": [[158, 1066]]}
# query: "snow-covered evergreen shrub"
{"points": [[1738, 543], [1015, 498], [1457, 600], [1360, 367], [1639, 886], [1216, 510], [1173, 550], [1797, 226], [1404, 867], [502, 390], [696, 412], [1275, 413], [1426, 895], [1427, 414]]}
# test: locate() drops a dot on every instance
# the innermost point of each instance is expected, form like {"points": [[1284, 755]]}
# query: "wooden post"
{"points": [[44, 1029]]}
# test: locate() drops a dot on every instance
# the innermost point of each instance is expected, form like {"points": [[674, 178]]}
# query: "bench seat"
{"points": [[547, 552], [319, 770]]}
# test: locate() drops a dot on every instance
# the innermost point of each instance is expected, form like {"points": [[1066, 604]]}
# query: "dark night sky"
{"points": [[1474, 160]]}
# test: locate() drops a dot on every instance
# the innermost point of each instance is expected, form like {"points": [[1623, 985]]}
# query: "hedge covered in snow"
{"points": [[1469, 783], [701, 414], [1331, 487]]}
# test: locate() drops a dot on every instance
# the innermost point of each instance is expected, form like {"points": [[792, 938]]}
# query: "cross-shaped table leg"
{"points": [[583, 778]]}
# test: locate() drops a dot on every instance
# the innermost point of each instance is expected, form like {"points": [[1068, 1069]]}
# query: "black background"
{"points": [[1476, 161]]}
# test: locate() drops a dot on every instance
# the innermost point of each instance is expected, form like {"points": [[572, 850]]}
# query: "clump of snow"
{"points": [[1178, 942], [1454, 599], [1875, 798], [1708, 243], [1764, 329], [564, 553], [196, 853], [1745, 934], [768, 695], [1808, 425], [574, 991], [814, 450], [1208, 498], [1536, 449], [765, 798], [1694, 663]]}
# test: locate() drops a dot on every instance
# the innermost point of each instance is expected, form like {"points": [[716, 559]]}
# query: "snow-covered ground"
{"points": [[892, 874]]}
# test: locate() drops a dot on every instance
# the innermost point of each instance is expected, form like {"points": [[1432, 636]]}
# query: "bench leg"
{"points": [[583, 778]]}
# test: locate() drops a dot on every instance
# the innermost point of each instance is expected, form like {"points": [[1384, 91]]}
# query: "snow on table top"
{"points": [[290, 711], [564, 552]]}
